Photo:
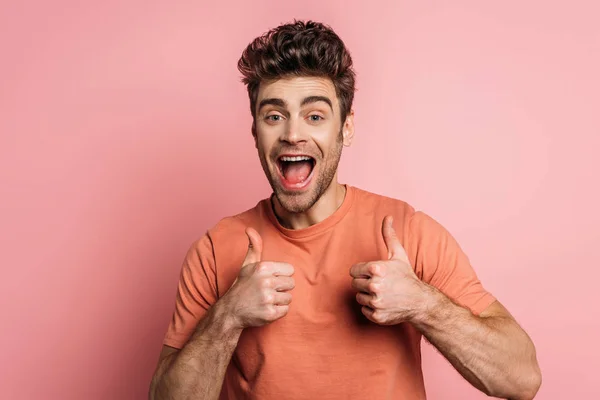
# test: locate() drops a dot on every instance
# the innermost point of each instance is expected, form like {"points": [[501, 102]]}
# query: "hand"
{"points": [[260, 294], [389, 290]]}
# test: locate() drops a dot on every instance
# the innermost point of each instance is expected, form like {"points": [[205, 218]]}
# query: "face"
{"points": [[299, 136]]}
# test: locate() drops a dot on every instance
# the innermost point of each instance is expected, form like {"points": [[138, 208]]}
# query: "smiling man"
{"points": [[323, 290]]}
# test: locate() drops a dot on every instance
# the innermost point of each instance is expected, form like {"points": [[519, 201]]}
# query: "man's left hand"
{"points": [[389, 290]]}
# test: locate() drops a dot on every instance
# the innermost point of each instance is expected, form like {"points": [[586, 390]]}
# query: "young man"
{"points": [[323, 291]]}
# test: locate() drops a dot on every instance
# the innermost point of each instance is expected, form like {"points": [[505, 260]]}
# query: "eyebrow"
{"points": [[307, 100], [272, 101], [316, 99]]}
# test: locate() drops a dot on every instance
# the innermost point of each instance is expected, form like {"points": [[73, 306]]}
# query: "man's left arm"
{"points": [[487, 347], [491, 350]]}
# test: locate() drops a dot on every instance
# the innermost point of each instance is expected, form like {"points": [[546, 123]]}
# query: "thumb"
{"points": [[255, 247], [395, 249]]}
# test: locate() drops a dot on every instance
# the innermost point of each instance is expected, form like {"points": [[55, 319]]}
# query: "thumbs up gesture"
{"points": [[260, 294], [388, 290]]}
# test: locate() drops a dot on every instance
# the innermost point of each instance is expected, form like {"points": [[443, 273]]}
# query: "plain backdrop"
{"points": [[125, 134]]}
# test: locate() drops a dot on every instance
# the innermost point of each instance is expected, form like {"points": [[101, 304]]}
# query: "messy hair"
{"points": [[299, 49]]}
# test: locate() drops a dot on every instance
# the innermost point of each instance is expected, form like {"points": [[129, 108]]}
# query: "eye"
{"points": [[315, 118], [273, 118]]}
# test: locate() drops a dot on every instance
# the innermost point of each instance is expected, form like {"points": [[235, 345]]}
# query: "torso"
{"points": [[324, 348]]}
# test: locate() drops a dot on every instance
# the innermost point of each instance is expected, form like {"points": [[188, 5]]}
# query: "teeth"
{"points": [[296, 158]]}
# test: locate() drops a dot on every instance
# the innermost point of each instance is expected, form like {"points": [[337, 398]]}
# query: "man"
{"points": [[323, 291]]}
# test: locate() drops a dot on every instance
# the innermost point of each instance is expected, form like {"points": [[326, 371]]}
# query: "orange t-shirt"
{"points": [[324, 348]]}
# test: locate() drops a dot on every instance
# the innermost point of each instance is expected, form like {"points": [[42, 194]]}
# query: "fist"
{"points": [[388, 290], [261, 292]]}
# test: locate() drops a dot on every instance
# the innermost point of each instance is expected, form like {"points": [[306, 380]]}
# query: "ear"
{"points": [[254, 134], [348, 129]]}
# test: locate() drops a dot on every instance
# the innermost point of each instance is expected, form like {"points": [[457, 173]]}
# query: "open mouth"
{"points": [[295, 171]]}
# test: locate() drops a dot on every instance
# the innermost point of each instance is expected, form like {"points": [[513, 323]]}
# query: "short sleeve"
{"points": [[440, 262], [196, 292]]}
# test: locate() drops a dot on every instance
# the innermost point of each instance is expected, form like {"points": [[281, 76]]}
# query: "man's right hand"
{"points": [[260, 294]]}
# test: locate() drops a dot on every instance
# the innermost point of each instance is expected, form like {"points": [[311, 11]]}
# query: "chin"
{"points": [[296, 202]]}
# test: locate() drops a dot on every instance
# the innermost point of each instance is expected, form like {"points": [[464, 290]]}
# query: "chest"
{"points": [[324, 324], [324, 345], [323, 293]]}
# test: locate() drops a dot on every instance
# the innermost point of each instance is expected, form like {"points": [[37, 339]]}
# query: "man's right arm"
{"points": [[198, 369], [260, 295]]}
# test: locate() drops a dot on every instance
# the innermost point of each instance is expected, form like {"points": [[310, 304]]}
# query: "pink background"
{"points": [[125, 133]]}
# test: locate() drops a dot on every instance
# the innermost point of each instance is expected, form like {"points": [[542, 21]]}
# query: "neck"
{"points": [[326, 205]]}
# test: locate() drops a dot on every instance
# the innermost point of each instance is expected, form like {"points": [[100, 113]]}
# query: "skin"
{"points": [[490, 350], [284, 125]]}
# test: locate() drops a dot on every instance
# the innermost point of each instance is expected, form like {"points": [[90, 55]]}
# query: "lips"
{"points": [[295, 170]]}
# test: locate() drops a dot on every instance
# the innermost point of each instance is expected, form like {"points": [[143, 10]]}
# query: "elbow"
{"points": [[528, 378], [532, 385], [532, 382], [526, 388]]}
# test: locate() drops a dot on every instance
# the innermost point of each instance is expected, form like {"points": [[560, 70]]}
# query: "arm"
{"points": [[197, 371], [491, 351], [259, 295]]}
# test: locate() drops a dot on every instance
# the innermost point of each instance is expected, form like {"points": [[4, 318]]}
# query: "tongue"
{"points": [[296, 171]]}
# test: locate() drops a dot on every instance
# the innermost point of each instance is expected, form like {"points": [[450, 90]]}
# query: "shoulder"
{"points": [[228, 238], [380, 205], [233, 228], [416, 226], [228, 232], [224, 245]]}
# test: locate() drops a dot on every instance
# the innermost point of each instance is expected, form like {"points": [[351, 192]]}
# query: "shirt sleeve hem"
{"points": [[482, 304], [174, 341]]}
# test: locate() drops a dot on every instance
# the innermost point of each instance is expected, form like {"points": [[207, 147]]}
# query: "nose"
{"points": [[293, 132]]}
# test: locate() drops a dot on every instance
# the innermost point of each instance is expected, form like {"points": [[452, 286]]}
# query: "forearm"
{"points": [[493, 353], [198, 370]]}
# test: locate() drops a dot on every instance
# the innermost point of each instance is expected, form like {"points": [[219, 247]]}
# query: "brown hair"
{"points": [[299, 49]]}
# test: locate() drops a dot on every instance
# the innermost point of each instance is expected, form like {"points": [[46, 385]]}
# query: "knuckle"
{"points": [[375, 302], [267, 298], [267, 283], [373, 268], [351, 271], [283, 310], [271, 312], [262, 267], [377, 316], [373, 287]]}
